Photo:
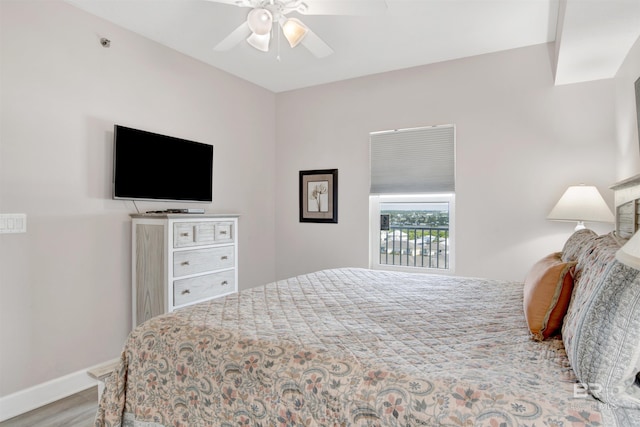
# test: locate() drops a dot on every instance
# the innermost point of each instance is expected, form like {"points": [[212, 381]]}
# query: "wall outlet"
{"points": [[13, 223]]}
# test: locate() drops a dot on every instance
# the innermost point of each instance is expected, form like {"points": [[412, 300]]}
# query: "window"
{"points": [[412, 231], [412, 198]]}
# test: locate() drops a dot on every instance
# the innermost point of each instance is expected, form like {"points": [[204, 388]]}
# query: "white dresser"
{"points": [[181, 259]]}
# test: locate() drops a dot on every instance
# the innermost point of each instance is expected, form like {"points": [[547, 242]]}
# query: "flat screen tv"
{"points": [[150, 166]]}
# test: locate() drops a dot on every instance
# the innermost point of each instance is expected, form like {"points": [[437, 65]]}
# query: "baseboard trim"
{"points": [[39, 395]]}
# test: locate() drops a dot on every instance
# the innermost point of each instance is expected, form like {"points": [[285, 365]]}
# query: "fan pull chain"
{"points": [[278, 54]]}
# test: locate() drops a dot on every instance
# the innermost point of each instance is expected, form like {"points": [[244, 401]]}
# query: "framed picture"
{"points": [[319, 196]]}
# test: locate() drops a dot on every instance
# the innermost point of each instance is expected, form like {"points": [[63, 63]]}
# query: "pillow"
{"points": [[597, 255], [601, 331], [547, 291], [576, 243]]}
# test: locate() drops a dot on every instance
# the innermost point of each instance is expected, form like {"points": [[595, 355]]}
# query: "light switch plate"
{"points": [[13, 223]]}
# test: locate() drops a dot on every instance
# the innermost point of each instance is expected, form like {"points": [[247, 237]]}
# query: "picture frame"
{"points": [[319, 196]]}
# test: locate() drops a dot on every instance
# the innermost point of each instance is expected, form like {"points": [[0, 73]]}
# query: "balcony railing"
{"points": [[415, 246]]}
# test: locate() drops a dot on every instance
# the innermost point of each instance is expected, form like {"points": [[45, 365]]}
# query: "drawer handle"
{"points": [[223, 231], [186, 291], [185, 263], [184, 234], [224, 283], [223, 257]]}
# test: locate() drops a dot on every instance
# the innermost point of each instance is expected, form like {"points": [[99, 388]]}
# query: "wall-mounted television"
{"points": [[150, 166]]}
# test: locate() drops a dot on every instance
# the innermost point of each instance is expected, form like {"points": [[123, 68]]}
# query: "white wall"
{"points": [[521, 142], [627, 139], [65, 284]]}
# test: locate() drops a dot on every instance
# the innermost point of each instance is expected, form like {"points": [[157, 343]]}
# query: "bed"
{"points": [[358, 347]]}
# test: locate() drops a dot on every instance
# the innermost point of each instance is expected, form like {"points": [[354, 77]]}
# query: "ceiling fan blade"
{"points": [[345, 7], [238, 35], [240, 3], [316, 45]]}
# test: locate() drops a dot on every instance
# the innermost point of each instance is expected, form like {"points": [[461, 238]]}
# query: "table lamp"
{"points": [[581, 203]]}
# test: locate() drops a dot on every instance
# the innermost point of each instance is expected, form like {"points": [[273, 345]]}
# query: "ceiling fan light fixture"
{"points": [[294, 31], [260, 41], [260, 21]]}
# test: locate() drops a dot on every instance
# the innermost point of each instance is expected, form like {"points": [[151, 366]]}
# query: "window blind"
{"points": [[418, 160]]}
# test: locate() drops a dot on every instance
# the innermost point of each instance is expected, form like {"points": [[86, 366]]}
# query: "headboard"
{"points": [[627, 201]]}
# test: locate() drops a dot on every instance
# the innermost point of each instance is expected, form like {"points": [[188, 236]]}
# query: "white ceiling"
{"points": [[594, 36]]}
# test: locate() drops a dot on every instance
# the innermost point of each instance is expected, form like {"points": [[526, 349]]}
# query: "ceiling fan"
{"points": [[257, 29]]}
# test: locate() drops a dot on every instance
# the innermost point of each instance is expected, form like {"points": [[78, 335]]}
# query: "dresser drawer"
{"points": [[193, 234], [203, 287], [224, 232], [201, 260], [187, 234]]}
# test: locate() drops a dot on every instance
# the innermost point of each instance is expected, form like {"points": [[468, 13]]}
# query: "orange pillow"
{"points": [[547, 292]]}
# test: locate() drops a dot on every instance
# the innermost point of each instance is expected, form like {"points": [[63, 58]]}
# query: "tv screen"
{"points": [[149, 166]]}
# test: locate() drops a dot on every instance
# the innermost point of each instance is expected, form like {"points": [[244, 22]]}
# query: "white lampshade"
{"points": [[581, 203], [259, 42], [294, 31], [260, 21], [629, 254]]}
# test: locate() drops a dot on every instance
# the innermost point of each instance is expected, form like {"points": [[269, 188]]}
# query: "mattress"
{"points": [[351, 347]]}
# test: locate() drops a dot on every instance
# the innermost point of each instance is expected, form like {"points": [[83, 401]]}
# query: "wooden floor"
{"points": [[78, 410]]}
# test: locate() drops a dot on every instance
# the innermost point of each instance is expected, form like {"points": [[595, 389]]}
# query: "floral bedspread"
{"points": [[350, 347]]}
